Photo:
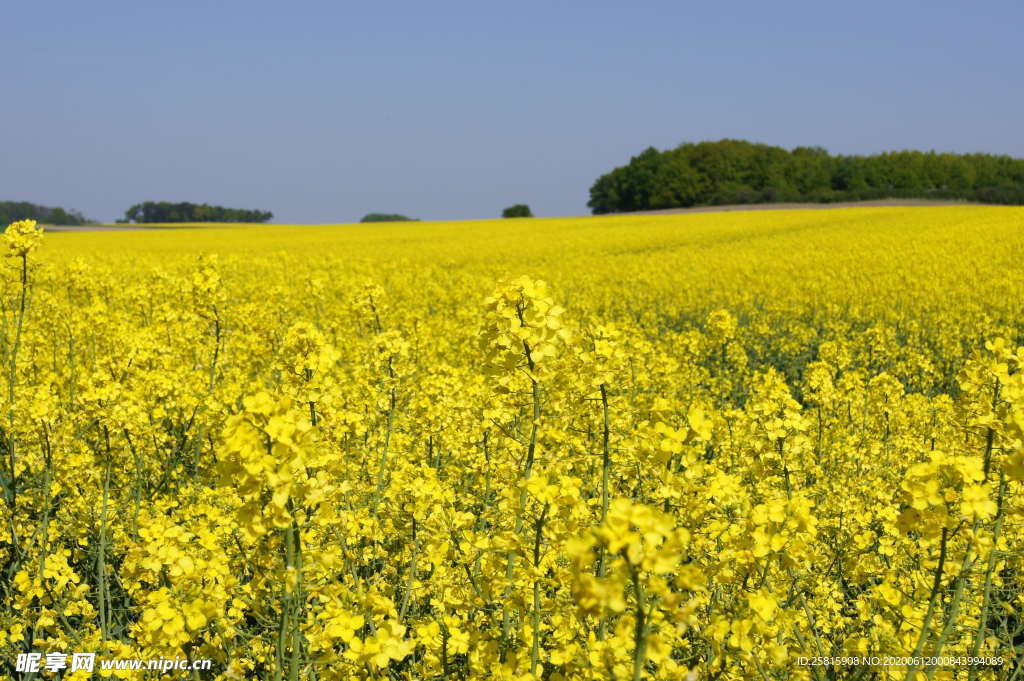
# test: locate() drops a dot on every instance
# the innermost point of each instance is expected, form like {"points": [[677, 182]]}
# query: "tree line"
{"points": [[165, 211], [387, 217], [737, 171], [12, 211]]}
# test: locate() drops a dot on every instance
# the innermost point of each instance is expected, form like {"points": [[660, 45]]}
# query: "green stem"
{"points": [[216, 347], [535, 649], [954, 608], [47, 478], [640, 628], [606, 464], [383, 464], [412, 574], [989, 570], [297, 603], [506, 618], [102, 592], [926, 624], [12, 379]]}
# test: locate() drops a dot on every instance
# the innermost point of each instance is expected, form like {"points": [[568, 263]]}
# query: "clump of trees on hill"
{"points": [[387, 217], [165, 211], [737, 171], [12, 211], [520, 210]]}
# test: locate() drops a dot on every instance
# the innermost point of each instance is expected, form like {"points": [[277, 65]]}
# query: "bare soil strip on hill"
{"points": [[90, 228]]}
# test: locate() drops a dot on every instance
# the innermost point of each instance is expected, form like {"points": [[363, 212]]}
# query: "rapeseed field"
{"points": [[759, 445]]}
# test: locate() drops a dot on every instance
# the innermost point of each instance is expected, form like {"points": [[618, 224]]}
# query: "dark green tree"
{"points": [[387, 217], [520, 210], [12, 211], [737, 171], [166, 212]]}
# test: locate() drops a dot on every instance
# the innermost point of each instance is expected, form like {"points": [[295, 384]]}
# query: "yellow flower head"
{"points": [[22, 237]]}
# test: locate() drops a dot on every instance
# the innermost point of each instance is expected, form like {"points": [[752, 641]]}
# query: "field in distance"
{"points": [[695, 209]]}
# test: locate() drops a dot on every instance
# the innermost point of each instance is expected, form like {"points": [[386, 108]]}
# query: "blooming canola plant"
{"points": [[761, 445]]}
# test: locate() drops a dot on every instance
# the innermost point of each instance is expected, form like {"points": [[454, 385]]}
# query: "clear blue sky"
{"points": [[324, 111]]}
